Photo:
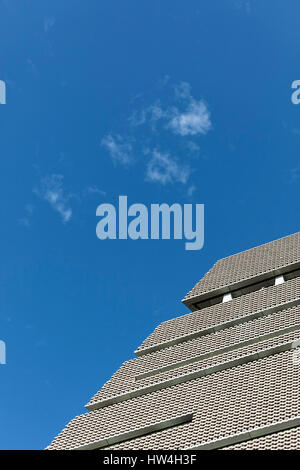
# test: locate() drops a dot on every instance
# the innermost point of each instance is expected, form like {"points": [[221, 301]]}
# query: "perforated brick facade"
{"points": [[225, 376]]}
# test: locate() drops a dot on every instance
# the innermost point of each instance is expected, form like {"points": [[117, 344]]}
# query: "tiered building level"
{"points": [[225, 376]]}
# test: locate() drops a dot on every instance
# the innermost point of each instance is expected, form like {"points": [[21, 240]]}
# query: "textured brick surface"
{"points": [[124, 379], [211, 316], [248, 392], [283, 440], [249, 264], [245, 397]]}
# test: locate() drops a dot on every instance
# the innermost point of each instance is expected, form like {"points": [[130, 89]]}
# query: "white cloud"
{"points": [[195, 120], [176, 112], [161, 168], [186, 116], [52, 191], [119, 149]]}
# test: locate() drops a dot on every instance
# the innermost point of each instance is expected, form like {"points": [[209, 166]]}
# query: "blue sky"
{"points": [[172, 101]]}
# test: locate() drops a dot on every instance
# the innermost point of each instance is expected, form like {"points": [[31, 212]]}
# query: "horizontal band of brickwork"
{"points": [[248, 266], [243, 339], [288, 439], [222, 316], [213, 354], [248, 435], [253, 395], [226, 376], [225, 403], [178, 379], [143, 431]]}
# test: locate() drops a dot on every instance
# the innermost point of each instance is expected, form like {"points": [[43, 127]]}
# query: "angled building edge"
{"points": [[224, 376]]}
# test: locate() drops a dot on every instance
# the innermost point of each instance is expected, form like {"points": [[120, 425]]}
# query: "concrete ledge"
{"points": [[218, 352], [191, 375], [158, 426], [247, 435], [218, 327], [189, 301]]}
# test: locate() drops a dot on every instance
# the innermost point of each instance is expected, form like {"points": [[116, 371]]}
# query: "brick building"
{"points": [[225, 375]]}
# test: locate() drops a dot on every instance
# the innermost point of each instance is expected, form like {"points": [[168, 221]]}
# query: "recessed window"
{"points": [[279, 280], [271, 281], [227, 297]]}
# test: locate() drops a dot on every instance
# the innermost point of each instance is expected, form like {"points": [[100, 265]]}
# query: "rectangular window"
{"points": [[227, 297]]}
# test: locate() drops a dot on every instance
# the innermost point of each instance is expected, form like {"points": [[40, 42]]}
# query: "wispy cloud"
{"points": [[51, 190], [138, 118], [191, 190], [161, 168], [294, 174], [29, 208], [32, 66], [176, 113], [49, 22], [149, 115], [25, 220], [243, 5], [119, 148], [295, 131], [185, 116], [193, 148], [194, 118], [94, 190]]}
